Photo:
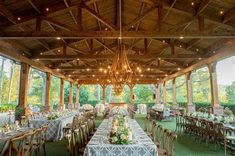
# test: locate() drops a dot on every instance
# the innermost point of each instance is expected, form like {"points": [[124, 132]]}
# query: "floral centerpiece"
{"points": [[120, 131], [52, 117]]}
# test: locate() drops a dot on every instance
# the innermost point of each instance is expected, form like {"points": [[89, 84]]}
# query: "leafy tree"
{"points": [[230, 93]]}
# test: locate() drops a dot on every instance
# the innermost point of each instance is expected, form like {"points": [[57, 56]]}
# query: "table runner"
{"points": [[99, 145], [55, 127]]}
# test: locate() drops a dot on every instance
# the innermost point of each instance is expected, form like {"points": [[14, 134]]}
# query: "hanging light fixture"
{"points": [[120, 72]]}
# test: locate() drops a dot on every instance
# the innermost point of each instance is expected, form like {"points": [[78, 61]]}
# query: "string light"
{"points": [[181, 37], [47, 9], [18, 18], [192, 3], [221, 12], [58, 38]]}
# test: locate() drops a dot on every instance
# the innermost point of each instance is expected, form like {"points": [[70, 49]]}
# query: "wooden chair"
{"points": [[16, 146], [29, 146]]}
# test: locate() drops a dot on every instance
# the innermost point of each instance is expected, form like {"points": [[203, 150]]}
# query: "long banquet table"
{"points": [[55, 127], [99, 145]]}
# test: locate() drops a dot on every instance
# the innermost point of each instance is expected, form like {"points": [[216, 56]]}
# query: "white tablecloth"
{"points": [[99, 145]]}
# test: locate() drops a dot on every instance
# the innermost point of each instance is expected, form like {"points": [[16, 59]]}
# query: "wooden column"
{"points": [[131, 86], [71, 93], [48, 86], [190, 107], [103, 93], [164, 93], [157, 93], [23, 91], [213, 85], [61, 93], [174, 92], [77, 95]]}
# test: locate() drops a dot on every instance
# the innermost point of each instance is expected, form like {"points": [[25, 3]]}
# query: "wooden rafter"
{"points": [[110, 34], [111, 56]]}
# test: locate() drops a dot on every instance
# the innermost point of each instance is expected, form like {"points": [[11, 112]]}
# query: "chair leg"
{"points": [[44, 149]]}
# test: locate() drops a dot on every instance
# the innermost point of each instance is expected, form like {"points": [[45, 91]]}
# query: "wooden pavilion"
{"points": [[73, 39]]}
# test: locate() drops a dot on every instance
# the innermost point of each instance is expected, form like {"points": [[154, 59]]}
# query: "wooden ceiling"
{"points": [[78, 37]]}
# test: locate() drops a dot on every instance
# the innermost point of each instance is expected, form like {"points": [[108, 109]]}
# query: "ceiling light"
{"points": [[221, 12]]}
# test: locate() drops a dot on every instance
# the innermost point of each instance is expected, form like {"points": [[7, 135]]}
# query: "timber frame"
{"points": [[73, 39]]}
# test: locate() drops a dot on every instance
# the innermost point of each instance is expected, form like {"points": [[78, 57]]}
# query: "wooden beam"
{"points": [[7, 50], [34, 4], [228, 15], [85, 68], [99, 17], [201, 23], [106, 46], [202, 6], [70, 12], [160, 10], [219, 56], [8, 14], [111, 56], [58, 24], [139, 18], [110, 34], [79, 17]]}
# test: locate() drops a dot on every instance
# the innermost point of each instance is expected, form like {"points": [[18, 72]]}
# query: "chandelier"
{"points": [[121, 72]]}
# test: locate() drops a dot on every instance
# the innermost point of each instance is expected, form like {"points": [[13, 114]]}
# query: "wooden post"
{"points": [[213, 85], [164, 93], [23, 91], [61, 93], [77, 95], [21, 110], [103, 93], [131, 86], [157, 93], [48, 86], [71, 93], [174, 92], [190, 106]]}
